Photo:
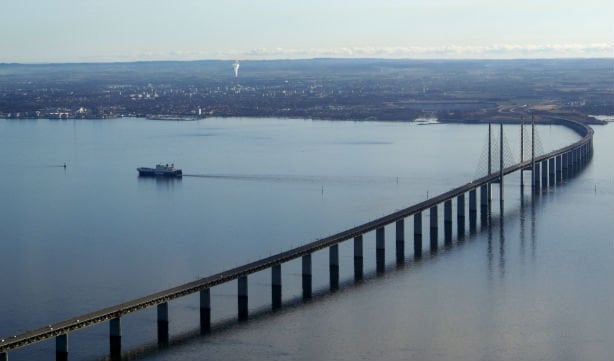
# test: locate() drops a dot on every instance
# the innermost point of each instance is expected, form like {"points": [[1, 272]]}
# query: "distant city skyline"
{"points": [[37, 31]]}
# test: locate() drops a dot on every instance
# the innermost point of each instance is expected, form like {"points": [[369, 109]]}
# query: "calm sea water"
{"points": [[537, 286]]}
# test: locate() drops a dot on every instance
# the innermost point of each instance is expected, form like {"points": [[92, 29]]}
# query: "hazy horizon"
{"points": [[75, 62], [118, 31]]}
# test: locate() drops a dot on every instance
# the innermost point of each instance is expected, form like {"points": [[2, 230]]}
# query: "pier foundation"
{"points": [[358, 258], [536, 177], [544, 172], [205, 311], [61, 348], [306, 262], [333, 257], [460, 216], [559, 169], [380, 249], [242, 298], [418, 235], [115, 337], [163, 323], [276, 287], [447, 222], [551, 171], [484, 205], [565, 165], [400, 241], [434, 230], [473, 211]]}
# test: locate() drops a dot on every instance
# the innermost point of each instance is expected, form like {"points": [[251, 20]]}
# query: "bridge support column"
{"points": [[400, 242], [115, 337], [276, 287], [358, 258], [205, 311], [333, 257], [380, 249], [559, 174], [306, 260], [460, 216], [163, 323], [572, 163], [61, 348], [551, 172], [544, 166], [242, 298], [473, 211], [565, 165], [418, 235], [434, 230], [536, 177], [484, 205], [447, 222]]}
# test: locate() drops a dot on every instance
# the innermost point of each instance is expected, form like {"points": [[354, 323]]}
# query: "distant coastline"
{"points": [[327, 89]]}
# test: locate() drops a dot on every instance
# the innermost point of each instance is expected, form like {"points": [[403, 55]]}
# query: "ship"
{"points": [[161, 170]]}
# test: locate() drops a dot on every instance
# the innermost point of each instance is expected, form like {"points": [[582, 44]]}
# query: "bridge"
{"points": [[546, 170]]}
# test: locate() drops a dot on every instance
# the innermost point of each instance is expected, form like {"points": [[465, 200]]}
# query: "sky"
{"points": [[39, 31]]}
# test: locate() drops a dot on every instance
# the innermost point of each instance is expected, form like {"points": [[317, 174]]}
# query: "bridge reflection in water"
{"points": [[546, 170]]}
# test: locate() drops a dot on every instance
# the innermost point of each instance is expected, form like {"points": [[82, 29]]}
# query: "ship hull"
{"points": [[151, 172]]}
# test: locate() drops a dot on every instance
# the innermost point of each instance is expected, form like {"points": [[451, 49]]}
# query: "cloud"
{"points": [[496, 51], [443, 52]]}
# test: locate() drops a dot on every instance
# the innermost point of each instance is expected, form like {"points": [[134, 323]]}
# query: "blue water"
{"points": [[94, 234]]}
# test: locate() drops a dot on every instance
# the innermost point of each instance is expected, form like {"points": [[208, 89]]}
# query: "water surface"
{"points": [[94, 234]]}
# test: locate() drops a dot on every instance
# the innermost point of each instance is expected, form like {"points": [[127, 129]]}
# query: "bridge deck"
{"points": [[118, 310]]}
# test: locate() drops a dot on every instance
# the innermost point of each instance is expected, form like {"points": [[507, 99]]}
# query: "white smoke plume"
{"points": [[235, 67]]}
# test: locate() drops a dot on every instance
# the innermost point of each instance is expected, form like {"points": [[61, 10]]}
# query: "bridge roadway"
{"points": [[116, 311]]}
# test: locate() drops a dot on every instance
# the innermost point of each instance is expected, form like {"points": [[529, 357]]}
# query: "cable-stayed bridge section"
{"points": [[547, 170]]}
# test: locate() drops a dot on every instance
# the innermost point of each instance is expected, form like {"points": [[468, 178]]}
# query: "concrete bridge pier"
{"points": [[544, 171], [484, 205], [276, 287], [434, 230], [551, 172], [61, 348], [115, 338], [460, 216], [579, 159], [559, 173], [333, 258], [565, 166], [163, 323], [536, 178], [242, 298], [473, 211], [205, 311], [447, 222], [358, 258], [380, 250], [306, 261], [418, 235], [400, 242]]}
